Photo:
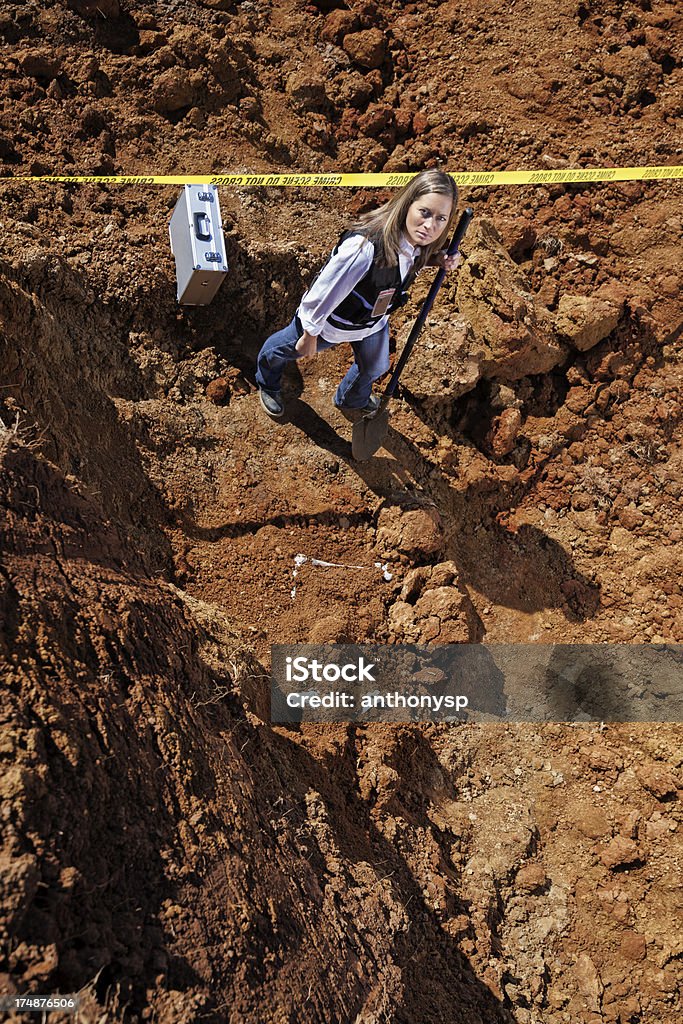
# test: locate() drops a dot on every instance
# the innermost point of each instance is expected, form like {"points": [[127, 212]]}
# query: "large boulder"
{"points": [[446, 363], [515, 333]]}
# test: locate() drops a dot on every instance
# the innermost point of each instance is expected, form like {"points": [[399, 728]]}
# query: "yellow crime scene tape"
{"points": [[379, 180]]}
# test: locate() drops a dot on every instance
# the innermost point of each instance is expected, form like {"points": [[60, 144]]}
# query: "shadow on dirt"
{"points": [[437, 982], [532, 570], [165, 845]]}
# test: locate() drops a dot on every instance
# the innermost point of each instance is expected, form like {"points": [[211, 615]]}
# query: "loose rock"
{"points": [[620, 853], [355, 90], [633, 946], [585, 320], [306, 91], [432, 607], [659, 781], [366, 48], [413, 531], [218, 391], [588, 981], [41, 64], [504, 432], [531, 878], [338, 24], [172, 91]]}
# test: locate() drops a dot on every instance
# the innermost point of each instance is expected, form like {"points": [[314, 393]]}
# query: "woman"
{"points": [[365, 279]]}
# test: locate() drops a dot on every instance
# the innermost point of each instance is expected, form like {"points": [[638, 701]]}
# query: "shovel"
{"points": [[370, 431]]}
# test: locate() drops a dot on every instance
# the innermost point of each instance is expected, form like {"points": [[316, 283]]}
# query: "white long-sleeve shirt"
{"points": [[338, 278]]}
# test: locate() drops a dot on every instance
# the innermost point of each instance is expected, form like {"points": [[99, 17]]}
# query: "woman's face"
{"points": [[427, 217]]}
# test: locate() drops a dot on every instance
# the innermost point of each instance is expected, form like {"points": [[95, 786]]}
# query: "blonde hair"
{"points": [[385, 225]]}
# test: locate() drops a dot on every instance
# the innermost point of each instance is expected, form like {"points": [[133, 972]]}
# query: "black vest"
{"points": [[355, 311]]}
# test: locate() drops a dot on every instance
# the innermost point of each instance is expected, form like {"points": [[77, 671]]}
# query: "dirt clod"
{"points": [[620, 852], [366, 48]]}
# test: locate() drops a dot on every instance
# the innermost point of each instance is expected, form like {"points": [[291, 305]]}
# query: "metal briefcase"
{"points": [[198, 245]]}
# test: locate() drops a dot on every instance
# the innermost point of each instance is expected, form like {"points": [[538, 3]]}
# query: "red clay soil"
{"points": [[165, 850]]}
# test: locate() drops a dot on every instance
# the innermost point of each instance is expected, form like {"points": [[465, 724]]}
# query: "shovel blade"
{"points": [[369, 434]]}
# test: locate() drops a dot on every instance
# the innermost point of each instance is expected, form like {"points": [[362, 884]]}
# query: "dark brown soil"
{"points": [[165, 850]]}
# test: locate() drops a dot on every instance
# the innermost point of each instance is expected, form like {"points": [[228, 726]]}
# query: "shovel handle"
{"points": [[463, 224]]}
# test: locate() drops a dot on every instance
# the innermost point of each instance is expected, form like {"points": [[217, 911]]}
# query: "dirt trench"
{"points": [[165, 850]]}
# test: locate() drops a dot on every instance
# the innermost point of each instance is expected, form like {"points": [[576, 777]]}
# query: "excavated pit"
{"points": [[165, 850]]}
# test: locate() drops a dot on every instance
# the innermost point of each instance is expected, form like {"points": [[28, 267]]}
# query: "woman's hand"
{"points": [[307, 345], [440, 259]]}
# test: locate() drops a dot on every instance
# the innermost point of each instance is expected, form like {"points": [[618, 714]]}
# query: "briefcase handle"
{"points": [[203, 236]]}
